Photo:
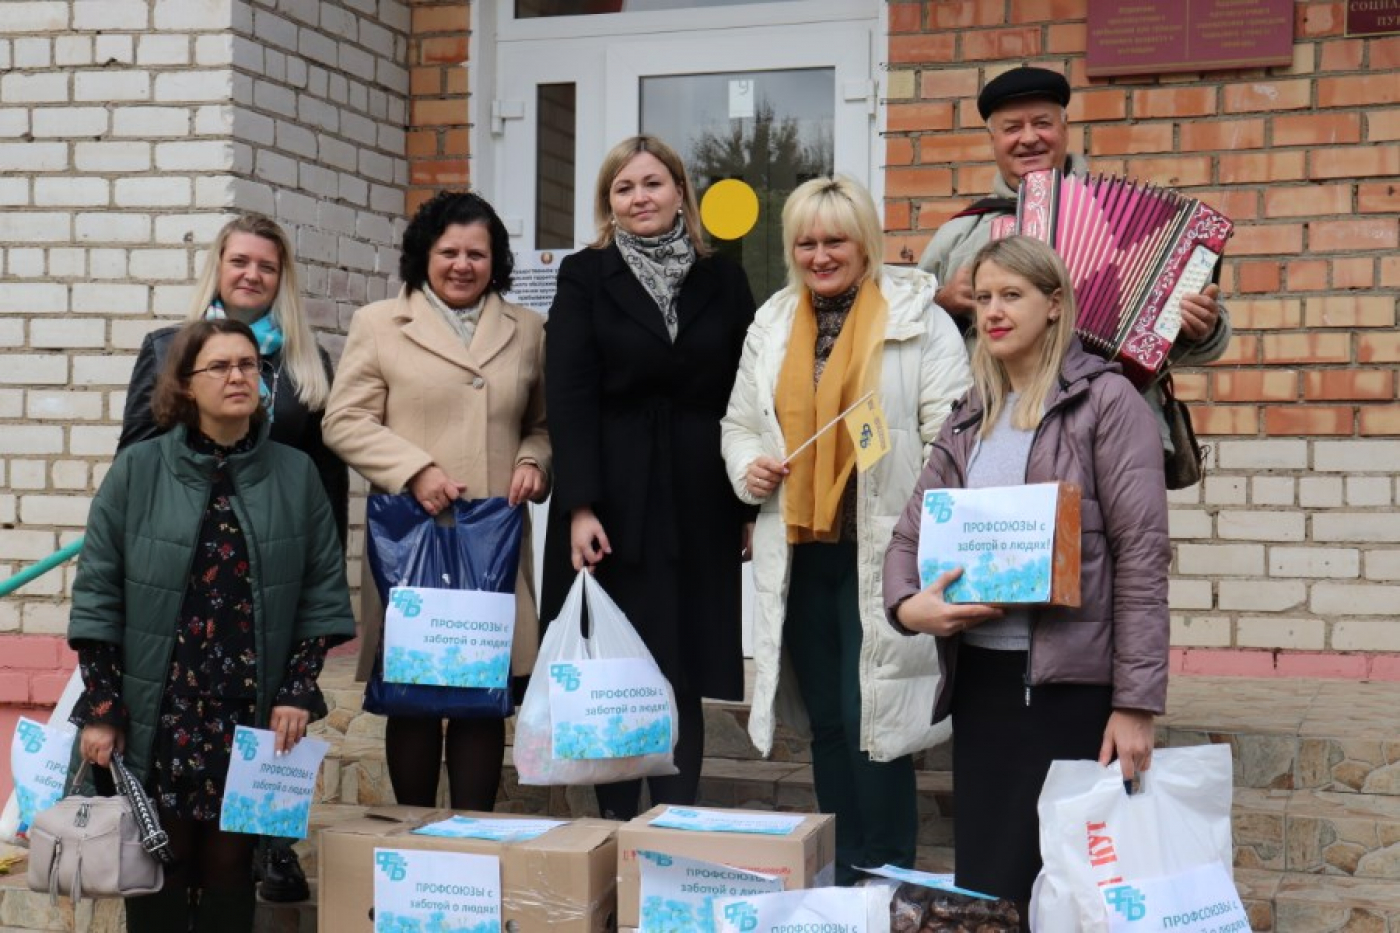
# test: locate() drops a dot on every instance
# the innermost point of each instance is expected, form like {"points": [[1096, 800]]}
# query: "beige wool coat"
{"points": [[408, 393]]}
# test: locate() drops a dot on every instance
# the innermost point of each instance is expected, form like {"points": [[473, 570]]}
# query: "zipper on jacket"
{"points": [[1030, 623]]}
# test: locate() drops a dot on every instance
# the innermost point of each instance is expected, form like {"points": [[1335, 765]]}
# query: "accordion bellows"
{"points": [[1133, 250]]}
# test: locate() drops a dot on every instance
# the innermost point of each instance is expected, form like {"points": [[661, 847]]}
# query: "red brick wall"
{"points": [[1305, 159], [437, 130]]}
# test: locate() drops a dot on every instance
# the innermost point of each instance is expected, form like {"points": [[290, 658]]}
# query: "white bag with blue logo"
{"points": [[598, 709], [1154, 860]]}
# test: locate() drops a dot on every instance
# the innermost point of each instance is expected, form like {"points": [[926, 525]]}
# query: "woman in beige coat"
{"points": [[440, 393]]}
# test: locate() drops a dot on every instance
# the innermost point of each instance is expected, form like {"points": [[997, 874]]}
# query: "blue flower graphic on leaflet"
{"points": [[665, 915]]}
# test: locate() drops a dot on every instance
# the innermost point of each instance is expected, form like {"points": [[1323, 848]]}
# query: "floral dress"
{"points": [[212, 685]]}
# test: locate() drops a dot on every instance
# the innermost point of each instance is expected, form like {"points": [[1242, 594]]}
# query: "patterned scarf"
{"points": [[661, 264], [463, 321], [269, 335]]}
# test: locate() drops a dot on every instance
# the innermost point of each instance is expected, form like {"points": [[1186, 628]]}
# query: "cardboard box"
{"points": [[805, 858], [565, 879]]}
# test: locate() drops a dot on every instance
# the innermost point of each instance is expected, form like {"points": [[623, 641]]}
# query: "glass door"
{"points": [[809, 110], [768, 94]]}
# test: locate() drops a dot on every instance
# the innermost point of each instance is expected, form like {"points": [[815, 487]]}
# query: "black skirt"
{"points": [[1002, 749]]}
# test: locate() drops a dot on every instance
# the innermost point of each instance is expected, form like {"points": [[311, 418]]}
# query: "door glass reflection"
{"points": [[770, 129]]}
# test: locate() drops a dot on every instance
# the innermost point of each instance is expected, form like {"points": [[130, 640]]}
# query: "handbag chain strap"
{"points": [[153, 838]]}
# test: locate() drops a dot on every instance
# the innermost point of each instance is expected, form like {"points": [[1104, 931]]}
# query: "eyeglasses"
{"points": [[223, 369]]}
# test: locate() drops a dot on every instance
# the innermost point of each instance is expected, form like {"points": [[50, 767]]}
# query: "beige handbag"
{"points": [[98, 846]]}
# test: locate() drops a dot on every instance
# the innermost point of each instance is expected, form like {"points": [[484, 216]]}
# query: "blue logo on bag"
{"points": [[939, 505], [1127, 900], [32, 737], [247, 744], [566, 676], [742, 914], [392, 864], [406, 602], [865, 435]]}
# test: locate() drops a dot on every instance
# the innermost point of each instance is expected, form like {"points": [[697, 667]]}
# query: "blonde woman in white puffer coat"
{"points": [[828, 663]]}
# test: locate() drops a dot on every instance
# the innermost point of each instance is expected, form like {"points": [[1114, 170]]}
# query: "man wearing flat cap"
{"points": [[1028, 126]]}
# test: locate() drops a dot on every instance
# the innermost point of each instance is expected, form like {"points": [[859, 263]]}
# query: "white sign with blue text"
{"points": [[1003, 538], [448, 638], [828, 910], [677, 892], [268, 795], [39, 762], [436, 892], [1201, 900], [609, 708]]}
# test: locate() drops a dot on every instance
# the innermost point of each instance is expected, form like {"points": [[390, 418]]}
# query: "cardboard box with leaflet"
{"points": [[563, 880], [804, 858]]}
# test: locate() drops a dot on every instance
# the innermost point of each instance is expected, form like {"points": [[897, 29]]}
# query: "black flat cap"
{"points": [[1026, 81]]}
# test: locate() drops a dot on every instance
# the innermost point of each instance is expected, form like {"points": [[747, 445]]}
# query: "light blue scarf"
{"points": [[269, 335]]}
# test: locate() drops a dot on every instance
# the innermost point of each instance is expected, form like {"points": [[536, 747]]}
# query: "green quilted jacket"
{"points": [[135, 564]]}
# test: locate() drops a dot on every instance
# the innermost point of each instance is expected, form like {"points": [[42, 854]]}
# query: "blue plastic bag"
{"points": [[405, 546]]}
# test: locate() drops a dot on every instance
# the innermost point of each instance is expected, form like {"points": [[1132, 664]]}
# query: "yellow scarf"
{"points": [[817, 478]]}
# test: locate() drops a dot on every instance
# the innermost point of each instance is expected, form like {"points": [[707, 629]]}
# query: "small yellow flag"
{"points": [[866, 422]]}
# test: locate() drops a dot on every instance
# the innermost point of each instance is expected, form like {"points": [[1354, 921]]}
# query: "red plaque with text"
{"points": [[1372, 17], [1128, 37]]}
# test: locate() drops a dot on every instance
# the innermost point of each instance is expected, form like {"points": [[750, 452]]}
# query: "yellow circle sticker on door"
{"points": [[729, 209]]}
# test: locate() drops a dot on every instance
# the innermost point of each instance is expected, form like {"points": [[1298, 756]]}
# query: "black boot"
{"points": [[225, 910], [278, 872], [166, 911]]}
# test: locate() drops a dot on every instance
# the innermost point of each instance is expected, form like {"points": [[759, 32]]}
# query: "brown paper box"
{"points": [[563, 880], [805, 858]]}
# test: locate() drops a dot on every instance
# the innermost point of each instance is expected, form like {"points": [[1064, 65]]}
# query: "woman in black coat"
{"points": [[643, 342]]}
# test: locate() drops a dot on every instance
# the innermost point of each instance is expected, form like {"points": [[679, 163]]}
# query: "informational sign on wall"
{"points": [[1373, 17], [536, 278], [1130, 37]]}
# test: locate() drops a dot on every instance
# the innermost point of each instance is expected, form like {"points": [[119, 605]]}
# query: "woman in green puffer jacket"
{"points": [[210, 587]]}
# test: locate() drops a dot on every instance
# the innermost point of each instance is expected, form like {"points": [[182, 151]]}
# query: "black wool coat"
{"points": [[634, 421]]}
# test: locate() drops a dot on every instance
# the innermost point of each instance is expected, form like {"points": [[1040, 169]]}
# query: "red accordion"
{"points": [[1132, 250]]}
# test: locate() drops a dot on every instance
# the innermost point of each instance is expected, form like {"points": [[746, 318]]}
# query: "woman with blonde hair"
{"points": [[844, 327], [1025, 687], [644, 337], [250, 275]]}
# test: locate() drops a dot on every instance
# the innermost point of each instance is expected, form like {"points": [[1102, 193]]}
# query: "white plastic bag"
{"points": [[611, 637], [1162, 852]]}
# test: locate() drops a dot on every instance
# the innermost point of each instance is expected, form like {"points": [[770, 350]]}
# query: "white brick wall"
{"points": [[129, 129]]}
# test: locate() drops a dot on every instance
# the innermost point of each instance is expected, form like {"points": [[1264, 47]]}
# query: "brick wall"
{"points": [[1290, 550], [129, 129], [437, 131]]}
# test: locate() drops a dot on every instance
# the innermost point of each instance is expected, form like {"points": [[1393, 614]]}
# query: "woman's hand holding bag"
{"points": [[550, 752]]}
